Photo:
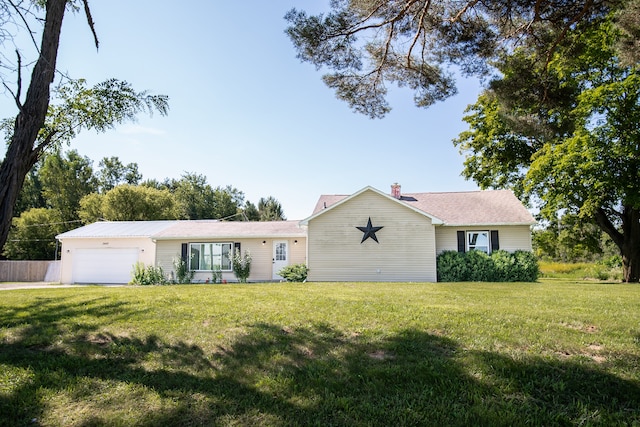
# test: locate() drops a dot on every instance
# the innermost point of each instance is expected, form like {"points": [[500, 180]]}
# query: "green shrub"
{"points": [[504, 265], [242, 266], [616, 274], [526, 268], [149, 275], [605, 270], [481, 268], [477, 266], [183, 274], [216, 274], [294, 273], [138, 273], [599, 271], [613, 261], [451, 266]]}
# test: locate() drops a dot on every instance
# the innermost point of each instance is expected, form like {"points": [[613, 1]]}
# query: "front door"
{"points": [[280, 257]]}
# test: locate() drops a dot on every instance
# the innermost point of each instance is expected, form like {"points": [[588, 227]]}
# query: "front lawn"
{"points": [[548, 353]]}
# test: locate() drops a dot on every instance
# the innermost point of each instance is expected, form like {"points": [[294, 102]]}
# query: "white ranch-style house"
{"points": [[366, 236]]}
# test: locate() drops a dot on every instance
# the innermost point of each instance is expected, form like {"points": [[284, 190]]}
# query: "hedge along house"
{"points": [[373, 236], [105, 252], [366, 236]]}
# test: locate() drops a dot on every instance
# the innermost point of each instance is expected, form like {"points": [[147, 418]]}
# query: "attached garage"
{"points": [[104, 265], [105, 252]]}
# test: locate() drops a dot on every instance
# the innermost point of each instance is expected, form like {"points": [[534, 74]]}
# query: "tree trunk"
{"points": [[626, 238], [21, 153], [630, 248], [631, 267]]}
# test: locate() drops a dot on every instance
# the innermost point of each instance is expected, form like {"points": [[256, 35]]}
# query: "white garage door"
{"points": [[104, 265]]}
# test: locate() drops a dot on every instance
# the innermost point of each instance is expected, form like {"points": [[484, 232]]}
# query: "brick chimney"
{"points": [[395, 190]]}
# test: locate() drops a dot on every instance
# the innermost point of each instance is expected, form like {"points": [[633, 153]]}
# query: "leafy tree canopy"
{"points": [[199, 200], [138, 203], [66, 179], [113, 172], [33, 235], [91, 208], [570, 239], [564, 131], [195, 196]]}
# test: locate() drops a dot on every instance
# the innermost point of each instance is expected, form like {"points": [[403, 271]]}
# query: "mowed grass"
{"points": [[361, 354]]}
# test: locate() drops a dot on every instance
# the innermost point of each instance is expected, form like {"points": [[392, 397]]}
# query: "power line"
{"points": [[32, 240], [51, 223]]}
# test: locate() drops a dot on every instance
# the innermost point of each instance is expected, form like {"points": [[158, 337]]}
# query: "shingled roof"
{"points": [[202, 229], [489, 207]]}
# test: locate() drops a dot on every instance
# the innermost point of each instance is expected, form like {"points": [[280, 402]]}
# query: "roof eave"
{"points": [[230, 236], [434, 220], [110, 236], [486, 224]]}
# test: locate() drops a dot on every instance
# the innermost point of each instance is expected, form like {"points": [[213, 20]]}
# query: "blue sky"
{"points": [[245, 112]]}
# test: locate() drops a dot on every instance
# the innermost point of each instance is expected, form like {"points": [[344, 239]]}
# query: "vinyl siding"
{"points": [[512, 237], [261, 255], [298, 251], [166, 253], [405, 252]]}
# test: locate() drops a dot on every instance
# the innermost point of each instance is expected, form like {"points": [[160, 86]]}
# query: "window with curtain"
{"points": [[210, 256]]}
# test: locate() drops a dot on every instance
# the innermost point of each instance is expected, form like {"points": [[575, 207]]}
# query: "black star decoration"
{"points": [[369, 231]]}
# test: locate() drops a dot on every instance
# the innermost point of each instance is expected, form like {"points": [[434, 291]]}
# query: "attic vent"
{"points": [[395, 191], [324, 205]]}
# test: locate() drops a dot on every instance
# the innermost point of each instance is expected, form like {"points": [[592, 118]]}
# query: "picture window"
{"points": [[210, 256]]}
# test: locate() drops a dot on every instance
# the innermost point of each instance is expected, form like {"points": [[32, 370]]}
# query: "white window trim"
{"points": [[468, 246], [212, 243]]}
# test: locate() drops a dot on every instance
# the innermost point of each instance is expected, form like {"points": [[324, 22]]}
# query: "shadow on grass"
{"points": [[274, 375]]}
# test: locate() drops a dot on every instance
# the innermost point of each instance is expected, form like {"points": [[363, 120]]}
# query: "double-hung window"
{"points": [[210, 256], [478, 241]]}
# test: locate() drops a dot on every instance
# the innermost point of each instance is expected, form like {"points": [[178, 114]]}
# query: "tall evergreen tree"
{"points": [[368, 44], [270, 209], [251, 212]]}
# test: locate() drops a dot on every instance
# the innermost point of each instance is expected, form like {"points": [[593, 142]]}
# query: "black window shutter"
{"points": [[236, 246], [495, 243], [461, 243], [184, 253]]}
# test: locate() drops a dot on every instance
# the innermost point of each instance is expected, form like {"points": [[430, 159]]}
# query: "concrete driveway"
{"points": [[39, 285]]}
